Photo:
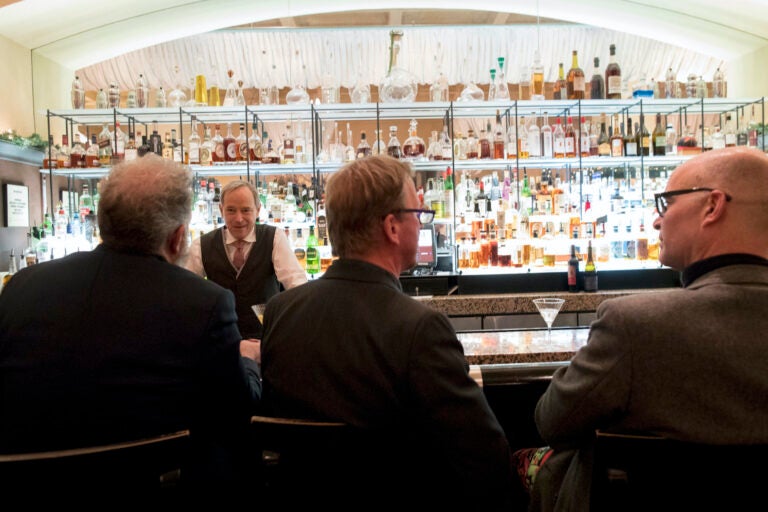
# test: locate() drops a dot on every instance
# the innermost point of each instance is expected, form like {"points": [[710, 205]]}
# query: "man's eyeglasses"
{"points": [[425, 216], [661, 198]]}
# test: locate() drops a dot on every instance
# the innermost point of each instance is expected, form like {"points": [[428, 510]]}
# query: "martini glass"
{"points": [[259, 310], [548, 309]]}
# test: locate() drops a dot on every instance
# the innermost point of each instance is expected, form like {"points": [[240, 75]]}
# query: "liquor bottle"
{"points": [[131, 152], [161, 101], [312, 253], [92, 153], [584, 137], [659, 139], [512, 139], [105, 146], [12, 268], [230, 97], [575, 79], [446, 147], [617, 138], [101, 99], [399, 85], [51, 160], [612, 76], [547, 138], [560, 91], [413, 147], [289, 146], [534, 138], [176, 147], [502, 88], [78, 93], [670, 84], [730, 132], [492, 86], [522, 140], [167, 147], [590, 271], [484, 143], [156, 142], [643, 138], [448, 194], [363, 148], [241, 145], [207, 148], [393, 146], [113, 95], [438, 90], [524, 85], [270, 154], [718, 139], [255, 151], [671, 140], [742, 135], [498, 138], [558, 139], [300, 249], [77, 153], [594, 134], [597, 84], [85, 203], [218, 155], [718, 84], [144, 148], [142, 92], [573, 271], [570, 139], [193, 145], [230, 145], [630, 141], [537, 77], [472, 145], [603, 142]]}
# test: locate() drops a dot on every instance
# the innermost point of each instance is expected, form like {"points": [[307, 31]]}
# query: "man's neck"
{"points": [[389, 263]]}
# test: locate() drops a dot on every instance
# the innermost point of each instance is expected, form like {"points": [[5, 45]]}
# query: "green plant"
{"points": [[34, 141]]}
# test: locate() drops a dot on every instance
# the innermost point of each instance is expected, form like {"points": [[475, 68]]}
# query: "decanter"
{"points": [[296, 96], [502, 89], [240, 100], [230, 97], [329, 88], [113, 96], [471, 91], [78, 94], [142, 92], [101, 99], [413, 148], [399, 85], [177, 96], [438, 90]]}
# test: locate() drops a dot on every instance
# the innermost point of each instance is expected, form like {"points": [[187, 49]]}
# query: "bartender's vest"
{"points": [[255, 283]]}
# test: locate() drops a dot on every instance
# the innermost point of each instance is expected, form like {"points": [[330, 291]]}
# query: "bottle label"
{"points": [[571, 275], [590, 282], [614, 84]]}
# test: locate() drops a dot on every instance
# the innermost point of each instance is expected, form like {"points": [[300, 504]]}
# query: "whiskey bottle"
{"points": [[254, 144], [92, 153], [207, 148], [584, 137], [603, 142], [561, 86], [230, 145], [241, 145], [643, 138], [630, 141], [218, 155], [414, 147], [289, 147], [363, 148], [570, 139], [167, 147], [612, 76], [484, 143], [659, 138], [617, 138], [193, 145], [131, 151], [597, 84], [575, 79], [393, 146], [537, 78], [498, 138]]}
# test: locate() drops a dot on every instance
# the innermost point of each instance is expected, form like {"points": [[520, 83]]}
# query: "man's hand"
{"points": [[251, 348]]}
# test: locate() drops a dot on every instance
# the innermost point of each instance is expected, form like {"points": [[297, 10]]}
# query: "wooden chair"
{"points": [[638, 472], [151, 463]]}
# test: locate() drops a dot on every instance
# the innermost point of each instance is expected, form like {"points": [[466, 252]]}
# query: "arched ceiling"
{"points": [[78, 33]]}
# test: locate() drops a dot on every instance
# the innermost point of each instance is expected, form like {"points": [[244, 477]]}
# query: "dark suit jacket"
{"points": [[103, 346], [688, 364], [352, 347]]}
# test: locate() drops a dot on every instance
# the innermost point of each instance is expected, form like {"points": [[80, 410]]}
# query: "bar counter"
{"points": [[522, 346], [521, 303]]}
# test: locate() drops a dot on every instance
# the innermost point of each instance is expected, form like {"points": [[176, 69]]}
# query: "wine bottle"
{"points": [[590, 271], [573, 271]]}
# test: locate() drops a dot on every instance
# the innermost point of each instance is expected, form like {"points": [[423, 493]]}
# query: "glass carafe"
{"points": [[230, 97], [470, 92], [414, 147], [177, 96], [78, 93], [399, 85]]}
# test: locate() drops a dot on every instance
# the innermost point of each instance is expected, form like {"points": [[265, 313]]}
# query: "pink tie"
{"points": [[238, 260]]}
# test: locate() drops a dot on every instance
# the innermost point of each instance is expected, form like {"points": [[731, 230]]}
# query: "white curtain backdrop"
{"points": [[287, 57]]}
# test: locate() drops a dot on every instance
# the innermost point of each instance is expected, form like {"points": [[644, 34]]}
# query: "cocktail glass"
{"points": [[259, 310], [548, 309]]}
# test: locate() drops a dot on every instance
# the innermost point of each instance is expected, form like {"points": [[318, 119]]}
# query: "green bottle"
{"points": [[313, 255]]}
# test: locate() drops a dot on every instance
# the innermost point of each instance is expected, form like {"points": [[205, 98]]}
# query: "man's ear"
{"points": [[176, 241], [391, 229]]}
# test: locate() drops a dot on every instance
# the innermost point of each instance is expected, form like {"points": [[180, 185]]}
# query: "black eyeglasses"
{"points": [[425, 216], [661, 198]]}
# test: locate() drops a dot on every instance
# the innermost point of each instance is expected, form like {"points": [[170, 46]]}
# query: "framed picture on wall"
{"points": [[16, 205]]}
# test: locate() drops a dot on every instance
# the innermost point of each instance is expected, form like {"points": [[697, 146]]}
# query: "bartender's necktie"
{"points": [[239, 257]]}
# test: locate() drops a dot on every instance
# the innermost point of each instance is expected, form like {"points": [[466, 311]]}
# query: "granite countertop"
{"points": [[522, 346], [520, 303]]}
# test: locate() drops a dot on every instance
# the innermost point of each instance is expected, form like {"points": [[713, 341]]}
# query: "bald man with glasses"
{"points": [[688, 363]]}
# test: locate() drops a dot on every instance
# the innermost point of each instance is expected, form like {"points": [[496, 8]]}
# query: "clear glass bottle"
{"points": [[230, 145], [142, 92], [701, 88], [101, 99], [329, 87], [92, 153], [177, 96], [240, 100], [218, 156], [131, 152], [502, 88], [193, 144], [363, 148], [399, 85], [537, 78], [718, 84], [255, 150], [241, 145], [297, 96], [470, 92], [524, 84], [379, 148], [230, 96], [670, 84], [413, 147], [161, 101], [207, 148], [438, 89], [289, 148], [78, 93], [446, 147], [558, 139], [130, 100], [492, 86]]}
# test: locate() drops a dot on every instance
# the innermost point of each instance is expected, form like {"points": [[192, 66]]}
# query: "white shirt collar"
{"points": [[229, 239]]}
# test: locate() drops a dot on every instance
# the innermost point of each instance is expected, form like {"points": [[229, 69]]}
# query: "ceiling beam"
{"points": [[500, 18], [288, 22], [395, 17]]}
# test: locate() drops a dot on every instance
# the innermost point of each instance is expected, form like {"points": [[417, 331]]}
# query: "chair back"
{"points": [[144, 463], [313, 463], [639, 472]]}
